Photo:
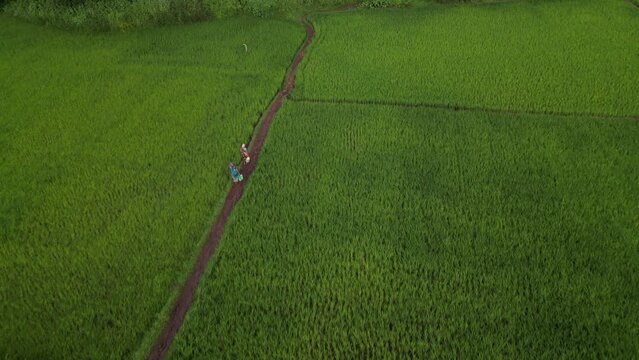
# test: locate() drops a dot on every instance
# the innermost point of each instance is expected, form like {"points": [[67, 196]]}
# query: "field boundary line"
{"points": [[187, 293], [460, 108]]}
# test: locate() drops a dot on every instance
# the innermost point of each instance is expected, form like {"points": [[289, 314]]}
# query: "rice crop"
{"points": [[395, 232], [540, 56], [113, 154]]}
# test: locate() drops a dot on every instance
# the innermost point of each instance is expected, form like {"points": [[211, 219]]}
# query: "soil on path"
{"points": [[185, 298]]}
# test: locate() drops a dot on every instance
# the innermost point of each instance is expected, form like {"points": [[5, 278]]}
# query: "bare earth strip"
{"points": [[187, 294]]}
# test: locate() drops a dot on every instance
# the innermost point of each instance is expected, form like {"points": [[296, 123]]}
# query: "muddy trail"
{"points": [[187, 293]]}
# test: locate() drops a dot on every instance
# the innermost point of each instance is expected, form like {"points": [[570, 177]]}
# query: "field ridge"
{"points": [[454, 107], [187, 294]]}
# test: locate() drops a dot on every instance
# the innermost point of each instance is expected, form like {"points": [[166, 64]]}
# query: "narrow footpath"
{"points": [[187, 294]]}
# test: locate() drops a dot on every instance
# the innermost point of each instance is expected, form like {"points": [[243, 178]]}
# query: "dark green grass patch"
{"points": [[381, 232], [113, 153], [126, 14], [546, 56]]}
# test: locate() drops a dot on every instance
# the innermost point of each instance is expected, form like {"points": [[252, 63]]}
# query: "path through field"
{"points": [[187, 293]]}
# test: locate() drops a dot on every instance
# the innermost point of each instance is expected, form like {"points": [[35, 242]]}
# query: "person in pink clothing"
{"points": [[245, 154]]}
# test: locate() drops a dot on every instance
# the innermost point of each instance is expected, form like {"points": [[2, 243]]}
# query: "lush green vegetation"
{"points": [[550, 56], [113, 153], [378, 232], [373, 231], [124, 14], [367, 231]]}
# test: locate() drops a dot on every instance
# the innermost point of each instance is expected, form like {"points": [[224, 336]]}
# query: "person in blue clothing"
{"points": [[235, 174]]}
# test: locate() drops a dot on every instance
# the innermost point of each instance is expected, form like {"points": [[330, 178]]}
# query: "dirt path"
{"points": [[162, 344]]}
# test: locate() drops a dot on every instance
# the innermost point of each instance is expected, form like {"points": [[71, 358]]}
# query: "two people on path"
{"points": [[246, 157]]}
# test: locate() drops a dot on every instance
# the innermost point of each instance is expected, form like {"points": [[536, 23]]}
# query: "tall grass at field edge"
{"points": [[125, 14], [109, 15]]}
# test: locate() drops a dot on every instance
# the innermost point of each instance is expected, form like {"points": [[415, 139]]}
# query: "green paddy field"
{"points": [[445, 181]]}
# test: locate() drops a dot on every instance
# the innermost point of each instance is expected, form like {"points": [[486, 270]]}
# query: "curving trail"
{"points": [[187, 294]]}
